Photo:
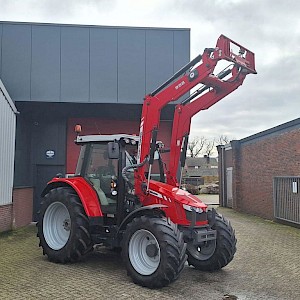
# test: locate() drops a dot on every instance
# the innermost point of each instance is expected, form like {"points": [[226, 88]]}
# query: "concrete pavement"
{"points": [[266, 267]]}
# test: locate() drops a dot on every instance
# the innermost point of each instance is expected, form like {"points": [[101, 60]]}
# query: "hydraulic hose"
{"points": [[134, 166]]}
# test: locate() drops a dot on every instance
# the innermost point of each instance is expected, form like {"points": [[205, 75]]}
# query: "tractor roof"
{"points": [[104, 138]]}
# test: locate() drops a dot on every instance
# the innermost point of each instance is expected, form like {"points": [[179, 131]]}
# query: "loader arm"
{"points": [[178, 85], [187, 109]]}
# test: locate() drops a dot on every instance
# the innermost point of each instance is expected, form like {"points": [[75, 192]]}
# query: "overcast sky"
{"points": [[270, 28]]}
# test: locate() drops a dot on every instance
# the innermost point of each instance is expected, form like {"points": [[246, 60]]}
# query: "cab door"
{"points": [[101, 172]]}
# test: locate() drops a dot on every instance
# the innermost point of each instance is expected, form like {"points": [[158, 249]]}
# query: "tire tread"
{"points": [[79, 242]]}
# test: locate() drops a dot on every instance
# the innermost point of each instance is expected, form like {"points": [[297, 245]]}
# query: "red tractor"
{"points": [[114, 200]]}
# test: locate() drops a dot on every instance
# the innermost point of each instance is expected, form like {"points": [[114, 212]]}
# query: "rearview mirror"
{"points": [[113, 150]]}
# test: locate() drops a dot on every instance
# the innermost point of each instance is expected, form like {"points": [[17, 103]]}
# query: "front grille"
{"points": [[199, 216]]}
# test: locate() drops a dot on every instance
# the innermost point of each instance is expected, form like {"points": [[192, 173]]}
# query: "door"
{"points": [[102, 172], [229, 194], [48, 154], [44, 173]]}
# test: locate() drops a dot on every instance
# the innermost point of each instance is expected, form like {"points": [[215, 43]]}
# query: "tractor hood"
{"points": [[168, 193]]}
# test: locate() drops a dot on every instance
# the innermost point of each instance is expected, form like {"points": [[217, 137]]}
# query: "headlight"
{"points": [[192, 208]]}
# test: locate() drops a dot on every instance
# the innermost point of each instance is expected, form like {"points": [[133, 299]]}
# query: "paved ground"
{"points": [[266, 267]]}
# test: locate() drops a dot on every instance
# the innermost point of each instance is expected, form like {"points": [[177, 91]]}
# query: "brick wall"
{"points": [[6, 217], [256, 163], [22, 206]]}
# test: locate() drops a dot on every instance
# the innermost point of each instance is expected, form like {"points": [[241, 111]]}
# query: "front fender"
{"points": [[140, 211], [84, 190]]}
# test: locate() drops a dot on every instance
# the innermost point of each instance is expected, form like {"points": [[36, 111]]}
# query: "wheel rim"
{"points": [[144, 252], [202, 251], [56, 225]]}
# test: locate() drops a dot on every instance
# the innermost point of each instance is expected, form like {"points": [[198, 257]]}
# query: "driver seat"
{"points": [[101, 195]]}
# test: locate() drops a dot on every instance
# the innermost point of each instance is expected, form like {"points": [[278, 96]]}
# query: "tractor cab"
{"points": [[101, 161]]}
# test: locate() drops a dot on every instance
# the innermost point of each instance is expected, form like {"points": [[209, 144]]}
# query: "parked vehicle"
{"points": [[113, 200]]}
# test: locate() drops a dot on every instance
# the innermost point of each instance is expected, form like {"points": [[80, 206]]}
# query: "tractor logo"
{"points": [[179, 85]]}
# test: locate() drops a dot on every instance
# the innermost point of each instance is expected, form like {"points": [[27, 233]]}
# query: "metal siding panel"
{"points": [[131, 65], [1, 29], [181, 53], [159, 58], [117, 64], [2, 183], [181, 48], [103, 65], [16, 60], [23, 168], [7, 134], [11, 148], [45, 76], [74, 64], [3, 157]]}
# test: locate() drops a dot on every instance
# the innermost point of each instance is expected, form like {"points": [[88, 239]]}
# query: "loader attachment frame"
{"points": [[212, 89]]}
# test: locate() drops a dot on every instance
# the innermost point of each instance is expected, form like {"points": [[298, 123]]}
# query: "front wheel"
{"points": [[216, 254], [153, 251]]}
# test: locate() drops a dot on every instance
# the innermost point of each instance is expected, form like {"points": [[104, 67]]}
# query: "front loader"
{"points": [[113, 199]]}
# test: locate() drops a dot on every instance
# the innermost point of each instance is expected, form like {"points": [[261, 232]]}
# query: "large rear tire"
{"points": [[153, 251], [214, 255], [63, 226]]}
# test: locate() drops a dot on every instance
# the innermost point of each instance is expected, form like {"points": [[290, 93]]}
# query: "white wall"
{"points": [[7, 145]]}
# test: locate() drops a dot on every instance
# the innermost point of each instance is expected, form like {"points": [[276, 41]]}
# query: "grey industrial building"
{"points": [[60, 75], [7, 149]]}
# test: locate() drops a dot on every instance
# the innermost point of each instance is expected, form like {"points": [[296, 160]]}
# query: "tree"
{"points": [[196, 145], [209, 147], [223, 139], [201, 145]]}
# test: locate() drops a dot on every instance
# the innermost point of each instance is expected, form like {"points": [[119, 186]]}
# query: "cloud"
{"points": [[269, 28], [265, 100]]}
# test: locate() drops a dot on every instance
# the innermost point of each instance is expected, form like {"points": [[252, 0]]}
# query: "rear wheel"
{"points": [[153, 251], [63, 226], [216, 254]]}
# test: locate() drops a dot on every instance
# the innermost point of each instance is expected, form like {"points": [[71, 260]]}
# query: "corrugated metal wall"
{"points": [[88, 64], [7, 145]]}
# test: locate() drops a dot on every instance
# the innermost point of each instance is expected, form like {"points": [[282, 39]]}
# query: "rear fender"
{"points": [[144, 210], [84, 190]]}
